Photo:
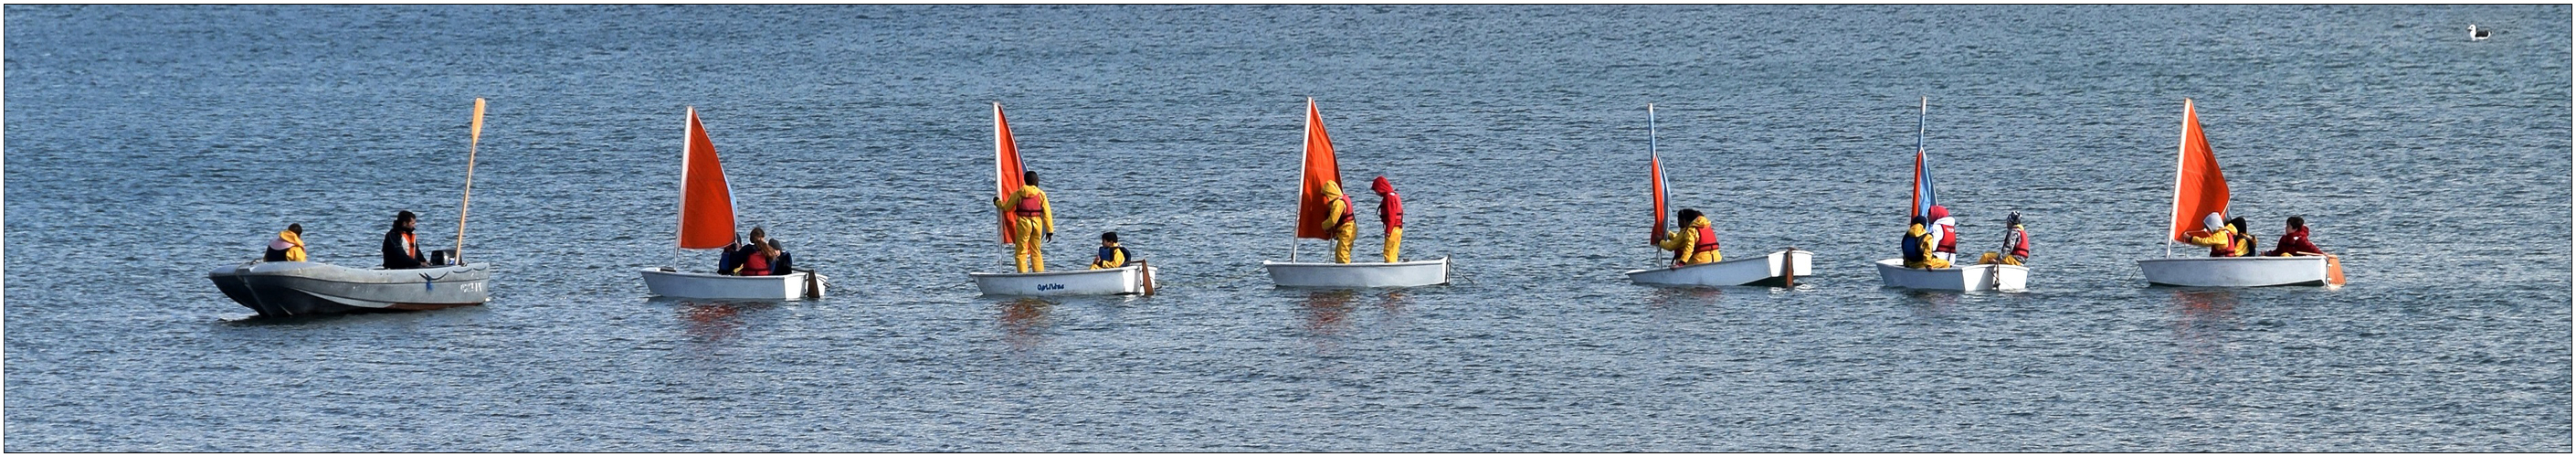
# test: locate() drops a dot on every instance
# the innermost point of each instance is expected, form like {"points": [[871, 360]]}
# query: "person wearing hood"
{"points": [[1031, 216], [402, 251], [2016, 244], [1945, 234], [1390, 208], [288, 247], [2294, 241], [1917, 246], [2222, 239], [1695, 243], [1339, 221]]}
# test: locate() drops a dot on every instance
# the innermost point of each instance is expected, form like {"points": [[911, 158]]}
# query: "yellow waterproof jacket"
{"points": [[1687, 238], [1922, 242], [1117, 258], [1046, 209], [2217, 241], [295, 248], [1339, 208]]}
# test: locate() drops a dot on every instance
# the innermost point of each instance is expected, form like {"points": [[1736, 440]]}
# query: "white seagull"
{"points": [[2475, 34]]}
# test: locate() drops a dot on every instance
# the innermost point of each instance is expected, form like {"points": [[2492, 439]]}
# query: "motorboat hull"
{"points": [[1359, 275], [1131, 279], [792, 286], [1751, 271], [1893, 273], [2236, 271], [314, 288]]}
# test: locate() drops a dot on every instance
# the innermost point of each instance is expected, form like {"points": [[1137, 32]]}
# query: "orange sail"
{"points": [[1006, 167], [1312, 209], [1655, 165], [706, 204], [2199, 189]]}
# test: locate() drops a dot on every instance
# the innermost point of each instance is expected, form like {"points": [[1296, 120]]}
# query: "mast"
{"points": [[1306, 146], [2179, 144]]}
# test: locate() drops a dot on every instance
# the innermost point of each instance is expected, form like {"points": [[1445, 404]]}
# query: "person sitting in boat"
{"points": [[2244, 236], [288, 247], [780, 263], [2016, 244], [2294, 241], [1918, 245], [1111, 254], [1031, 215], [757, 262], [1695, 243], [730, 261], [1390, 209], [1339, 221], [1945, 234], [402, 251], [2222, 239]]}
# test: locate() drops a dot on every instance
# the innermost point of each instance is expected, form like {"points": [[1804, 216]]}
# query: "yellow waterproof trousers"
{"points": [[1342, 242], [1394, 238], [1025, 236]]}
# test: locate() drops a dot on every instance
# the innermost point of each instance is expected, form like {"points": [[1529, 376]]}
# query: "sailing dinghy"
{"points": [[1960, 276], [706, 222], [276, 289], [1321, 168], [1134, 278], [2200, 189], [1778, 269]]}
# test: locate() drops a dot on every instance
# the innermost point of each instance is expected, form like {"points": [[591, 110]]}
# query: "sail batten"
{"points": [[706, 201]]}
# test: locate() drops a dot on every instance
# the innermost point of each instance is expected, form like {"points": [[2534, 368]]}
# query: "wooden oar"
{"points": [[474, 139], [1148, 272]]}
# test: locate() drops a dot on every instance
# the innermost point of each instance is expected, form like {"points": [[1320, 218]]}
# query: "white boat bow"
{"points": [[2235, 271], [1778, 269], [1893, 273], [681, 284], [1131, 279], [1358, 275]]}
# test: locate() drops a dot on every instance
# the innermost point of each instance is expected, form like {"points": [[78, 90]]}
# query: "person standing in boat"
{"points": [[289, 245], [1918, 246], [2016, 244], [402, 251], [1695, 242], [1339, 221], [1390, 209], [1031, 216], [2223, 239], [1111, 254], [1945, 235], [2294, 241]]}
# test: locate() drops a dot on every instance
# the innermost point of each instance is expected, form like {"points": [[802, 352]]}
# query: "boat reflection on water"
{"points": [[1931, 303], [2202, 318], [713, 321], [1670, 297], [1024, 322]]}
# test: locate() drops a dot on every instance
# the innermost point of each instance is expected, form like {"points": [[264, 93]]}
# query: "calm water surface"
{"points": [[148, 145]]}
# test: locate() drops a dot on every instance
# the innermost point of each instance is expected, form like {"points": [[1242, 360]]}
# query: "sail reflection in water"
{"points": [[2202, 319], [1024, 322]]}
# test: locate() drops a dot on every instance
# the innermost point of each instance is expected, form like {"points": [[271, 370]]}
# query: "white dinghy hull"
{"points": [[1893, 273], [1359, 275], [793, 286], [1751, 271], [310, 288], [2235, 271], [1125, 280]]}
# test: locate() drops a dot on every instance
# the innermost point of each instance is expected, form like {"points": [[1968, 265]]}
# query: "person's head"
{"points": [[2297, 223], [1332, 188], [297, 228], [2212, 222], [1381, 186], [1939, 212], [758, 235], [1687, 215], [2012, 219], [774, 245], [1029, 178], [1920, 221], [769, 249], [2237, 223], [405, 219], [1108, 238]]}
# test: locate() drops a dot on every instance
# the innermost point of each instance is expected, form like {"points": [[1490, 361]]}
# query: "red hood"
{"points": [[2301, 232], [1381, 186]]}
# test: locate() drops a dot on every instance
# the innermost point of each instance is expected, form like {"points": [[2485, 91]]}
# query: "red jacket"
{"points": [[754, 265], [2294, 242], [1391, 209]]}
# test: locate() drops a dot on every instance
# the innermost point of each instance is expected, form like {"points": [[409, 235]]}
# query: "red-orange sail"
{"points": [[1006, 167], [1320, 169], [1657, 165], [2199, 189], [706, 204]]}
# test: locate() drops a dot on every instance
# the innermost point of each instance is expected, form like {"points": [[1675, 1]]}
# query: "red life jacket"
{"points": [[1949, 240], [754, 265], [1031, 206], [1707, 240], [1346, 210], [2228, 249], [2021, 244], [1392, 211]]}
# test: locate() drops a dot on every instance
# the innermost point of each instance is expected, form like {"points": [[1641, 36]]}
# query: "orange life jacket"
{"points": [[1031, 206], [1347, 209], [1707, 240], [412, 245]]}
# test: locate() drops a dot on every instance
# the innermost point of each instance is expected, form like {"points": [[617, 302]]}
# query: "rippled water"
{"points": [[148, 145]]}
